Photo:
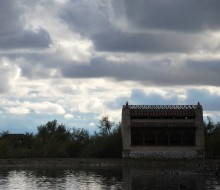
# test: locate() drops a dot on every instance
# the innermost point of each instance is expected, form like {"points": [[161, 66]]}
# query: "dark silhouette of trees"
{"points": [[55, 140], [212, 139], [105, 126], [79, 140], [107, 142]]}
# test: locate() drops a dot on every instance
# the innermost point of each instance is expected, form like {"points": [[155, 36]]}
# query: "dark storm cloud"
{"points": [[12, 32], [93, 20], [38, 64], [117, 41], [85, 17], [187, 15], [26, 39], [10, 21], [154, 26], [36, 69], [162, 72]]}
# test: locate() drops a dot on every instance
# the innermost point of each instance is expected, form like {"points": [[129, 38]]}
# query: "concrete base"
{"points": [[163, 154], [160, 154]]}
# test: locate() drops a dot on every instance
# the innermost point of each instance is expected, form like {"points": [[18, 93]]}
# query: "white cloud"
{"points": [[8, 75], [17, 110], [67, 45], [78, 51], [68, 116], [92, 124], [44, 108]]}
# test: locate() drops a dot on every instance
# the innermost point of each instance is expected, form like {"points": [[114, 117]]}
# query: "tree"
{"points": [[4, 145], [107, 143], [79, 140], [212, 139], [52, 139], [210, 126], [105, 126], [55, 140]]}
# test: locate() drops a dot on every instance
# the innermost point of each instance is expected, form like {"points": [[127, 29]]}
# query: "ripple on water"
{"points": [[101, 179]]}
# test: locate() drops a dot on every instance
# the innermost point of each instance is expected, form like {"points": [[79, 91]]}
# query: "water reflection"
{"points": [[128, 177], [91, 179], [170, 179]]}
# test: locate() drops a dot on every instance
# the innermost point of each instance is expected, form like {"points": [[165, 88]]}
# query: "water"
{"points": [[102, 178]]}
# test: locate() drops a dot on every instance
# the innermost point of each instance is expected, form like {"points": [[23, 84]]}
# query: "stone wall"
{"points": [[160, 154]]}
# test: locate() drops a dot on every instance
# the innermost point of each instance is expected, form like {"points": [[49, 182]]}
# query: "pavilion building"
{"points": [[166, 131]]}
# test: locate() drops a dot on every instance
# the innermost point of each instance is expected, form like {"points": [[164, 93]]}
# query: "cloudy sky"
{"points": [[77, 60]]}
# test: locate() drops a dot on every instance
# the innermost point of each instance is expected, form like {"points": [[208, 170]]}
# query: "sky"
{"points": [[79, 60]]}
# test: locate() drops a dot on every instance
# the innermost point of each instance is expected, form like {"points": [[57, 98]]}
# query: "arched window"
{"points": [[136, 139], [188, 139], [150, 139], [175, 139], [162, 139]]}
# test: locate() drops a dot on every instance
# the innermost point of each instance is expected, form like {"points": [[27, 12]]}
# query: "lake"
{"points": [[95, 178]]}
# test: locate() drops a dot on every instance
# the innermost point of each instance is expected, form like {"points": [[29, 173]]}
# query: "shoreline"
{"points": [[59, 162], [203, 164]]}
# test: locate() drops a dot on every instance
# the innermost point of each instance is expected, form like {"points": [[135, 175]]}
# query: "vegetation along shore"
{"points": [[54, 140]]}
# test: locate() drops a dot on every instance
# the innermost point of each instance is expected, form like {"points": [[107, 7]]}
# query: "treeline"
{"points": [[54, 140], [212, 139]]}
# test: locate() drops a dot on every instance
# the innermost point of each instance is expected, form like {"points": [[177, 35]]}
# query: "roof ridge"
{"points": [[162, 106]]}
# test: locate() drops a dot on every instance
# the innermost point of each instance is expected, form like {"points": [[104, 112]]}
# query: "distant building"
{"points": [[15, 138], [171, 131]]}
